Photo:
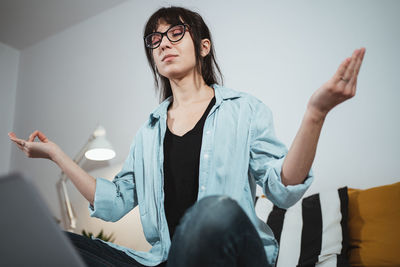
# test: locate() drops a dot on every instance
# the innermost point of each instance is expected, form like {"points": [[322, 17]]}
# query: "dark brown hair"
{"points": [[207, 66]]}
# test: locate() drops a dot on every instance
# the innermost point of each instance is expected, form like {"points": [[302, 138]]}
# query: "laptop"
{"points": [[29, 235]]}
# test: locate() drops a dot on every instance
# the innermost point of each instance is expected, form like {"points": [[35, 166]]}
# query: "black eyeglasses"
{"points": [[174, 34]]}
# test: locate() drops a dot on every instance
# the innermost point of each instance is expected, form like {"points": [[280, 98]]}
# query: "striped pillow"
{"points": [[313, 232]]}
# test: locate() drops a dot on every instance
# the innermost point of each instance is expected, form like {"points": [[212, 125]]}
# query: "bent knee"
{"points": [[217, 212]]}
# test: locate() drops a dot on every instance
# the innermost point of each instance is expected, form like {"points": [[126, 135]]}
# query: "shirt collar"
{"points": [[221, 94]]}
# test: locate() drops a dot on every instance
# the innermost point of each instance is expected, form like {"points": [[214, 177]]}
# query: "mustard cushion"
{"points": [[374, 226]]}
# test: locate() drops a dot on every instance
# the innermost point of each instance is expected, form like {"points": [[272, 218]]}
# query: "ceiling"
{"points": [[26, 22]]}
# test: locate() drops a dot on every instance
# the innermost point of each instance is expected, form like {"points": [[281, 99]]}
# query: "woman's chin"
{"points": [[173, 75]]}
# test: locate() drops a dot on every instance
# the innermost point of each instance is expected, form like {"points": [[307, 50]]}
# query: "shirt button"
{"points": [[203, 188], [206, 156], [208, 132]]}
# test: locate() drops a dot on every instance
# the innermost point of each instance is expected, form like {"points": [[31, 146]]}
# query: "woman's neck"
{"points": [[189, 90]]}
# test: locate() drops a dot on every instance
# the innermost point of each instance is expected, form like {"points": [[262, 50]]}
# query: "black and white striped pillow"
{"points": [[313, 232]]}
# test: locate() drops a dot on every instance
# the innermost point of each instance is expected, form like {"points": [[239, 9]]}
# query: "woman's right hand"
{"points": [[85, 183], [42, 149]]}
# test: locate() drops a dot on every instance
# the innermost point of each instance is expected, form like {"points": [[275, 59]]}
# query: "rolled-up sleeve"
{"points": [[267, 155], [114, 199]]}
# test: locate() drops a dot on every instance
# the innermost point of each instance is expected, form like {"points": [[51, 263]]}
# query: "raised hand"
{"points": [[42, 149], [340, 87]]}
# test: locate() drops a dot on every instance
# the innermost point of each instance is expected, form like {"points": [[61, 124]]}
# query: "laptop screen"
{"points": [[29, 234]]}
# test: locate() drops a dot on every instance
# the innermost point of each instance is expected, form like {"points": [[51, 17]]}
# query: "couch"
{"points": [[338, 227]]}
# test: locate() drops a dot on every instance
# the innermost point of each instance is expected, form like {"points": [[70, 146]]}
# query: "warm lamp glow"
{"points": [[100, 154], [96, 148], [100, 148]]}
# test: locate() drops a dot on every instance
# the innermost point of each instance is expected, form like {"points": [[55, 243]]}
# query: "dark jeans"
{"points": [[215, 231]]}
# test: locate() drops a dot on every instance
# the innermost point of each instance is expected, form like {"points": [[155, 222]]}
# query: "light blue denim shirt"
{"points": [[239, 150]]}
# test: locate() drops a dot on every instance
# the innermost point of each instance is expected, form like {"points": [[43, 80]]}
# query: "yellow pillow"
{"points": [[374, 226]]}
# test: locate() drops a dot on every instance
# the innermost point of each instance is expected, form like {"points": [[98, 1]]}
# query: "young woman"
{"points": [[193, 165]]}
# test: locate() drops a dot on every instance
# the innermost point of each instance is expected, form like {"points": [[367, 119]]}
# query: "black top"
{"points": [[181, 170]]}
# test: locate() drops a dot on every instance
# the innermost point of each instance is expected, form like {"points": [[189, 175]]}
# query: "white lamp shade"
{"points": [[100, 149]]}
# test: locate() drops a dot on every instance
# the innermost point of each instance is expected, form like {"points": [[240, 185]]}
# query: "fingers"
{"points": [[28, 146], [19, 141], [42, 137], [359, 62], [12, 135], [22, 144], [353, 81], [348, 79], [33, 135], [349, 73], [348, 67], [342, 69]]}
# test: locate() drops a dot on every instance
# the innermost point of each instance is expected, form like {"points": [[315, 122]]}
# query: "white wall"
{"points": [[9, 58], [280, 52]]}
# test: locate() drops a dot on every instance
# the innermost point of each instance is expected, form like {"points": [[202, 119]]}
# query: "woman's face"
{"points": [[174, 60]]}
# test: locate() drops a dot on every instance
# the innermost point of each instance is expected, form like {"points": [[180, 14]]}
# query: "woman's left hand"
{"points": [[339, 88]]}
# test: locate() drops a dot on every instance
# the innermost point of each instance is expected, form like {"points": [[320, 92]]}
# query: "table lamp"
{"points": [[96, 148]]}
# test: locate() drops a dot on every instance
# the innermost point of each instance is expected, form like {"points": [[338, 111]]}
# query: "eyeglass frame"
{"points": [[185, 28]]}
